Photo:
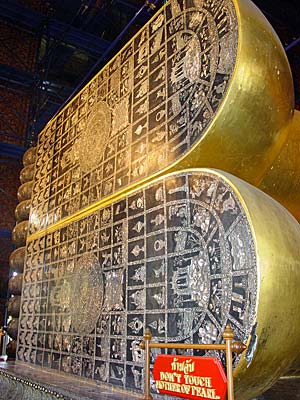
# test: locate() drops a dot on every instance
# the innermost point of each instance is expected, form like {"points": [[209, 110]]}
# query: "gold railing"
{"points": [[229, 347]]}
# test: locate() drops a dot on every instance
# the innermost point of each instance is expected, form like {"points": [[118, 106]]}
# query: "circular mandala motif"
{"points": [[86, 294], [212, 271], [90, 147], [201, 70]]}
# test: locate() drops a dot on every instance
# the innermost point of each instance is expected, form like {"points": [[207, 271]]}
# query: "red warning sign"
{"points": [[190, 377]]}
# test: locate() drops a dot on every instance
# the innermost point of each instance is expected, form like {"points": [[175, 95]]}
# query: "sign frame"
{"points": [[229, 347]]}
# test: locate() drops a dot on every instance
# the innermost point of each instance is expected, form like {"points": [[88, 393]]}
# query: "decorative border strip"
{"points": [[28, 388]]}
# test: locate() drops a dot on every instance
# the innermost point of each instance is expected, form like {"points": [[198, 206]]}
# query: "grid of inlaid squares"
{"points": [[155, 99], [160, 258]]}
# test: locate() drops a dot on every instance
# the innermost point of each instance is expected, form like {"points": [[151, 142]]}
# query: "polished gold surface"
{"points": [[249, 128], [141, 113], [27, 173], [29, 156], [19, 234], [282, 180], [94, 153], [274, 341], [17, 258], [15, 284], [25, 191], [242, 135], [12, 328], [13, 306], [22, 211], [251, 277]]}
